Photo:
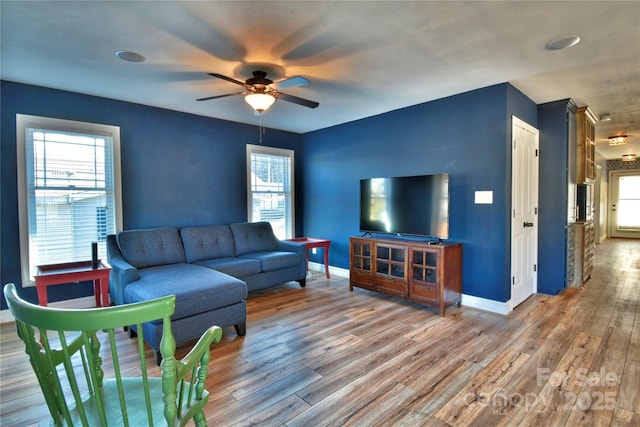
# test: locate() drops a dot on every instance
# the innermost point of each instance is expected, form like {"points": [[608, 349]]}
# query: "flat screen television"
{"points": [[411, 205]]}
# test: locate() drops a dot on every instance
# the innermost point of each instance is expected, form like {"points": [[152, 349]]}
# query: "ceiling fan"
{"points": [[260, 92]]}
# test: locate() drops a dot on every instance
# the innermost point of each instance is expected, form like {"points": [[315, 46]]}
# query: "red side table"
{"points": [[71, 272], [312, 242]]}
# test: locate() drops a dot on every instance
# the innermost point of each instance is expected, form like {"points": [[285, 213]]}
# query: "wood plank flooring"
{"points": [[324, 356]]}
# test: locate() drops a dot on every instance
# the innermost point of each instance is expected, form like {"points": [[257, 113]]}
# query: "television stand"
{"points": [[425, 273]]}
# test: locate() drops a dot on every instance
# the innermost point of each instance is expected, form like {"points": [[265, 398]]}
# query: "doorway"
{"points": [[524, 211], [625, 203]]}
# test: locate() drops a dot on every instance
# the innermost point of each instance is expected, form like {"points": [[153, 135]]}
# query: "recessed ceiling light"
{"points": [[605, 118], [127, 55], [562, 42]]}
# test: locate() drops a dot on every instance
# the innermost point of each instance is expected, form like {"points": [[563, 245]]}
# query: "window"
{"points": [[69, 190], [629, 202], [270, 192]]}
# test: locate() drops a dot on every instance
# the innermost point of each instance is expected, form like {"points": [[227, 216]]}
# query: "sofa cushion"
{"points": [[274, 260], [197, 289], [215, 241], [236, 267], [151, 247], [253, 237]]}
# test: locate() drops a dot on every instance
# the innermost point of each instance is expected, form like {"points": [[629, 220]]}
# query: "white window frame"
{"points": [[24, 122], [290, 195]]}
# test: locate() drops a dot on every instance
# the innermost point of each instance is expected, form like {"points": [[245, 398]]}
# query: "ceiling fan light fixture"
{"points": [[618, 140], [628, 157], [260, 101]]}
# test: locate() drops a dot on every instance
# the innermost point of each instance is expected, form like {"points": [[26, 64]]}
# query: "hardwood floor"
{"points": [[321, 355]]}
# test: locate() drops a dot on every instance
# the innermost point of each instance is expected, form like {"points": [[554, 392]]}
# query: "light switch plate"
{"points": [[484, 197]]}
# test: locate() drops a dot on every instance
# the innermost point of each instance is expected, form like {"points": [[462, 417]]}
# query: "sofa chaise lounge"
{"points": [[210, 270]]}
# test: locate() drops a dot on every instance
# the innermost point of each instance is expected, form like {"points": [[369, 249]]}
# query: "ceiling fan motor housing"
{"points": [[259, 79]]}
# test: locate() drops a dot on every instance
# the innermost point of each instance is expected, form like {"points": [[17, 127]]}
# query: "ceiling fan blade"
{"points": [[219, 96], [229, 79], [296, 100], [295, 81]]}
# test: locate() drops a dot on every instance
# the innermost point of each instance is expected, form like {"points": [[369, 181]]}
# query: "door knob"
{"points": [[528, 224]]}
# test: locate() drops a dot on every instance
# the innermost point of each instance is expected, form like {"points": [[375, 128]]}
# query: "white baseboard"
{"points": [[487, 304], [84, 302], [88, 302], [6, 316], [337, 271], [492, 306]]}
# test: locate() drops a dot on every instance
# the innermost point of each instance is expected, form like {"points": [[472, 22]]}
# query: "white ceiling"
{"points": [[362, 57]]}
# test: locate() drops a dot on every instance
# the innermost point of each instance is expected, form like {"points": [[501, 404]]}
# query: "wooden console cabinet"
{"points": [[426, 274]]}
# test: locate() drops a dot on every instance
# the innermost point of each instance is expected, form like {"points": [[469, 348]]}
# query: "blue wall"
{"points": [[177, 169], [467, 135], [181, 169], [556, 121]]}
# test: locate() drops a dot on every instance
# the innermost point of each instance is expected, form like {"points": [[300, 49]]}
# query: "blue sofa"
{"points": [[210, 270]]}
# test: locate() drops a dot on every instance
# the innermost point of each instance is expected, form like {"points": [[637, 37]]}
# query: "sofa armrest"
{"points": [[297, 247], [301, 250], [122, 273]]}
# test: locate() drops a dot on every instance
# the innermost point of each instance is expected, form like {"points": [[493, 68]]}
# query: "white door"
{"points": [[625, 203], [524, 211]]}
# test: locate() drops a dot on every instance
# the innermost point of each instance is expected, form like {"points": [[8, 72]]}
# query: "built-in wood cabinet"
{"points": [[585, 249], [571, 256], [588, 247], [428, 274], [585, 177], [586, 146]]}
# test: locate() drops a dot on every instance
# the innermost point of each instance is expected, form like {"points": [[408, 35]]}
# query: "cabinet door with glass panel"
{"points": [[424, 281], [424, 266], [390, 260], [391, 269], [361, 272]]}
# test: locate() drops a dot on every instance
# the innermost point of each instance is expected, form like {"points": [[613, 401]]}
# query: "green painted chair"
{"points": [[74, 354]]}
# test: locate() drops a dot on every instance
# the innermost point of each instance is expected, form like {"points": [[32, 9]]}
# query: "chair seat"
{"points": [[135, 401]]}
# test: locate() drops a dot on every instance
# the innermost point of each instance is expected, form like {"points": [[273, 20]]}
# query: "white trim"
{"points": [[613, 188], [6, 316], [497, 307], [24, 121], [517, 123], [84, 302], [272, 151], [471, 301], [333, 271]]}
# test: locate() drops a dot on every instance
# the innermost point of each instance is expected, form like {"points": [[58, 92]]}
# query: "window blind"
{"points": [[70, 194], [271, 188]]}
